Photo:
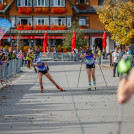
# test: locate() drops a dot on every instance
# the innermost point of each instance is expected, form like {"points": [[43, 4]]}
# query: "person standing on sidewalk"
{"points": [[99, 56], [115, 60], [90, 66], [42, 69], [111, 52], [28, 58]]}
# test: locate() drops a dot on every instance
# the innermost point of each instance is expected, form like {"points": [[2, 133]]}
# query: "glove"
{"points": [[47, 68], [35, 70]]}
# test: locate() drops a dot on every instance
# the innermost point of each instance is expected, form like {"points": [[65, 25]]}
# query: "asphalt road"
{"points": [[24, 110]]}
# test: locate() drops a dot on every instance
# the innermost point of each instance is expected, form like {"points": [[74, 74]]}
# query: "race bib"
{"points": [[90, 61]]}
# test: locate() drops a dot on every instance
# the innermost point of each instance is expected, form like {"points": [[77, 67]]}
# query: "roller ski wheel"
{"points": [[94, 88], [89, 89], [60, 89]]}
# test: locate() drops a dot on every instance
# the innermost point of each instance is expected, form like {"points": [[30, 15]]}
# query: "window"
{"points": [[101, 2], [24, 21], [57, 3], [42, 21], [82, 21], [24, 3], [41, 3], [82, 1], [68, 21], [57, 21], [1, 1], [13, 21]]}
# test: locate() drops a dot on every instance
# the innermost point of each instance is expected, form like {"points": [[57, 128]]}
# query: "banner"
{"points": [[4, 26]]}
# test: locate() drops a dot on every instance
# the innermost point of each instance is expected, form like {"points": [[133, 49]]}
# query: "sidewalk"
{"points": [[24, 110]]}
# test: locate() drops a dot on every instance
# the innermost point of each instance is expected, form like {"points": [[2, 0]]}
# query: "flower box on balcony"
{"points": [[20, 27], [1, 6], [82, 6], [58, 10], [25, 10], [24, 27], [41, 27], [44, 10], [27, 27], [60, 27]]}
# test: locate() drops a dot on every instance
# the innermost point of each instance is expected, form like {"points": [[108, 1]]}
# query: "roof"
{"points": [[89, 9], [7, 7]]}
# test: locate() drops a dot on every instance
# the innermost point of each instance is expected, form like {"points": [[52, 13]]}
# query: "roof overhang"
{"points": [[85, 31]]}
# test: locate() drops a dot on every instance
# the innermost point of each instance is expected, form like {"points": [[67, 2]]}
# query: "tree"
{"points": [[118, 18], [80, 41]]}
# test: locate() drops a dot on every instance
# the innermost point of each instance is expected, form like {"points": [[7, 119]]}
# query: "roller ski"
{"points": [[89, 88], [60, 89]]}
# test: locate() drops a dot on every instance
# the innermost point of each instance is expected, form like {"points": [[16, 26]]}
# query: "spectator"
{"points": [[115, 60], [120, 52], [1, 55], [99, 54], [32, 57], [28, 58], [36, 53], [14, 56], [10, 54], [104, 54], [21, 56], [111, 52], [55, 53], [75, 54]]}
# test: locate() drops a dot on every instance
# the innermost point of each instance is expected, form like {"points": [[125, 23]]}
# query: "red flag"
{"points": [[73, 41], [104, 42], [45, 42]]}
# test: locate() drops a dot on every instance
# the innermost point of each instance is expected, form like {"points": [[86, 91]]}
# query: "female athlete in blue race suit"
{"points": [[42, 69], [90, 66]]}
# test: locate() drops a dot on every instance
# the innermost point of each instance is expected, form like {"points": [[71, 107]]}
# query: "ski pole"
{"points": [[103, 75], [79, 74], [120, 118]]}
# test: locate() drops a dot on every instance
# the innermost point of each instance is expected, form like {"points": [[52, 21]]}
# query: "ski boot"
{"points": [[41, 89], [61, 89], [89, 88]]}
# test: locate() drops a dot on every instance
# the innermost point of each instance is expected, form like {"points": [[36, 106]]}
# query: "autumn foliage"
{"points": [[118, 19]]}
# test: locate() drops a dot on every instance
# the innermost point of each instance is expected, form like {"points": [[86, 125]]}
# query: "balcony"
{"points": [[36, 32], [41, 10]]}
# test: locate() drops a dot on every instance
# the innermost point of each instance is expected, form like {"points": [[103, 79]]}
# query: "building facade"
{"points": [[29, 16]]}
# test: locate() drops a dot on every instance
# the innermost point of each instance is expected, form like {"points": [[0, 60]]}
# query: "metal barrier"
{"points": [[59, 56], [10, 68]]}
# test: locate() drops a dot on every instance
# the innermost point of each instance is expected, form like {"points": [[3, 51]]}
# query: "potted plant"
{"points": [[25, 10], [1, 6], [20, 27], [27, 27]]}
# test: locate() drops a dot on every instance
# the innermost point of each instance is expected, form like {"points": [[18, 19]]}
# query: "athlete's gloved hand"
{"points": [[47, 68], [35, 70]]}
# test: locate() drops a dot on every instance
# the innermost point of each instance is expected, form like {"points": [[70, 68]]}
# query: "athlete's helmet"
{"points": [[88, 51], [40, 60]]}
